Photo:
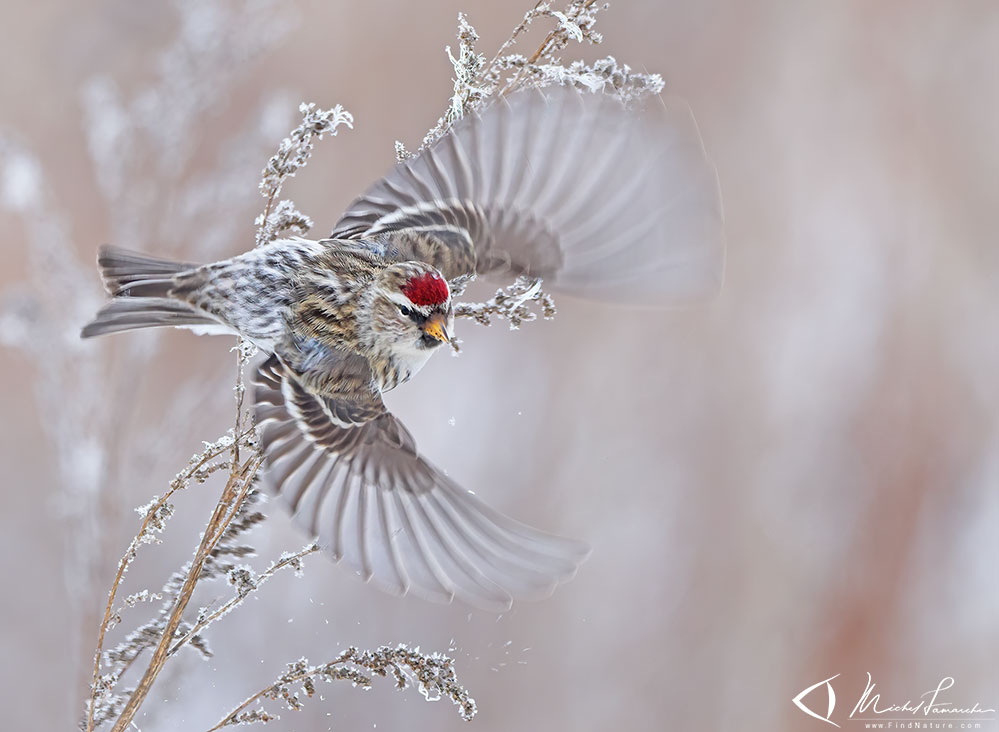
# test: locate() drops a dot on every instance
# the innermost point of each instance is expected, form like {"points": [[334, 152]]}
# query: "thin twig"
{"points": [[434, 673], [288, 679], [204, 622], [509, 42], [543, 50]]}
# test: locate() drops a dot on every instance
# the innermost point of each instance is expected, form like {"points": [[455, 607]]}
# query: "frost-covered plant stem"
{"points": [[292, 155], [552, 40], [240, 479], [242, 592], [434, 673], [156, 514]]}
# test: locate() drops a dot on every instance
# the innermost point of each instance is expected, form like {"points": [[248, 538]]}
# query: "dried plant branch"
{"points": [[155, 516], [511, 40], [434, 673], [467, 93], [121, 658], [293, 154], [512, 303], [576, 22], [476, 81], [245, 582], [235, 489]]}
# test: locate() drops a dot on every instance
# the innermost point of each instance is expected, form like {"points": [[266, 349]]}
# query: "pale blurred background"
{"points": [[796, 481]]}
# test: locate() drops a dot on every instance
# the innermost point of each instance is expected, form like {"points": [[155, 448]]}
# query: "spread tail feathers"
{"points": [[141, 288], [131, 274], [129, 313]]}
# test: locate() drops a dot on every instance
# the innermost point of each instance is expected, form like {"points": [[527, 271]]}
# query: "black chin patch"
{"points": [[427, 341]]}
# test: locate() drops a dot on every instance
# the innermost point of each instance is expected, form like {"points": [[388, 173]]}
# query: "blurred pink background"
{"points": [[797, 481]]}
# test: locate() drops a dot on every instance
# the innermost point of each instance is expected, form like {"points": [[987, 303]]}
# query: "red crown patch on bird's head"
{"points": [[427, 289]]}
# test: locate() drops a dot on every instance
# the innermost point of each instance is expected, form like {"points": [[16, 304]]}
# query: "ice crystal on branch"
{"points": [[244, 579], [401, 153]]}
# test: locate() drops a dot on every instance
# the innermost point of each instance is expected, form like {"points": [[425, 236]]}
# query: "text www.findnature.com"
{"points": [[923, 725]]}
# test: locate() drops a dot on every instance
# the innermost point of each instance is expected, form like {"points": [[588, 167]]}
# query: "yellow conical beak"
{"points": [[434, 327]]}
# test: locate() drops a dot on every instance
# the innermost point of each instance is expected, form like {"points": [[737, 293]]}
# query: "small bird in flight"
{"points": [[600, 201]]}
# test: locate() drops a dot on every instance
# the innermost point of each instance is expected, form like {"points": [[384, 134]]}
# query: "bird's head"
{"points": [[411, 309]]}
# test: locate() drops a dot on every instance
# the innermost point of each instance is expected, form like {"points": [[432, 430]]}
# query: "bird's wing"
{"points": [[600, 201], [353, 479]]}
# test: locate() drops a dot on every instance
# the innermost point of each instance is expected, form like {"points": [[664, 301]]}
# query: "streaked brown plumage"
{"points": [[563, 185]]}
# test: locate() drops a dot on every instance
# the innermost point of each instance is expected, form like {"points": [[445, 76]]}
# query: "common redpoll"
{"points": [[571, 187]]}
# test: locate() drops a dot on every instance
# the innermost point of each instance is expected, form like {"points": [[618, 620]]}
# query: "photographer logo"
{"points": [[830, 694], [932, 709]]}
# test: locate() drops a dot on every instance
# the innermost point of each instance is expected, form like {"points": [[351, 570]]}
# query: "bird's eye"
{"points": [[405, 311]]}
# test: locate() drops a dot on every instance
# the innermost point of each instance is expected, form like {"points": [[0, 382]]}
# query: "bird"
{"points": [[599, 200]]}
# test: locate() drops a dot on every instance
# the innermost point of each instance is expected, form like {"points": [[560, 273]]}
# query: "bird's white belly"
{"points": [[213, 329], [264, 344]]}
